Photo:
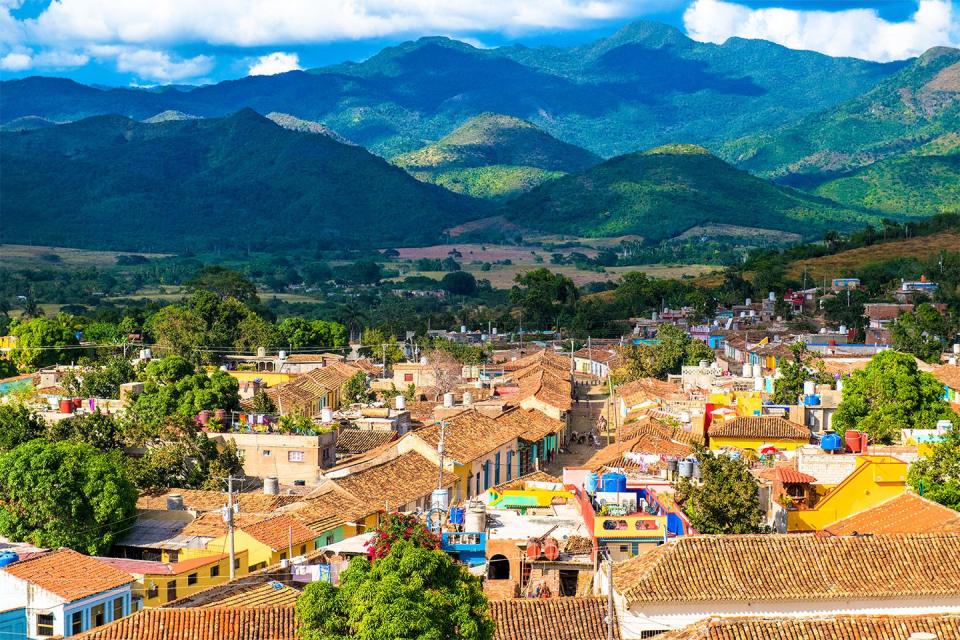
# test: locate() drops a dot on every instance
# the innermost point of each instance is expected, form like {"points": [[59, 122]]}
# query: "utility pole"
{"points": [[290, 543], [609, 596], [521, 333], [441, 448], [229, 518]]}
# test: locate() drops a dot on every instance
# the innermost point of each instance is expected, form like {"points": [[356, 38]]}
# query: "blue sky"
{"points": [[148, 42]]}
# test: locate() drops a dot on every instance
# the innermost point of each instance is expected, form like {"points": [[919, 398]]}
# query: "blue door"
{"points": [[509, 465], [496, 470], [486, 475]]}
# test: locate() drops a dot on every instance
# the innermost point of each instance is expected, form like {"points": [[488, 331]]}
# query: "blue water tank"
{"points": [[7, 558], [456, 515], [811, 401], [831, 442], [590, 483], [614, 482]]}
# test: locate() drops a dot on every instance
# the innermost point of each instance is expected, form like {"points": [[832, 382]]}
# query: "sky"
{"points": [[152, 42]]}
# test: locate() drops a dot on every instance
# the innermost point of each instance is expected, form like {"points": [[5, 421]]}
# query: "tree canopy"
{"points": [[888, 395], [42, 342], [726, 501], [19, 424], [674, 349], [173, 387], [923, 332], [793, 373], [412, 593], [65, 494], [937, 476]]}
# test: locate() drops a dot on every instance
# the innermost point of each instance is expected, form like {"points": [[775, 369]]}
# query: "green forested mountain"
{"points": [[668, 190], [917, 105], [240, 181], [495, 156], [645, 85]]}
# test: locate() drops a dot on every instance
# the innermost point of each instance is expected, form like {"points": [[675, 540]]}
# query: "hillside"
{"points": [[918, 104], [495, 156], [663, 192], [293, 123], [242, 181], [645, 85]]}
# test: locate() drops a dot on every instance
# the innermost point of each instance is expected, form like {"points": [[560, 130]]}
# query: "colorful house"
{"points": [[64, 593], [158, 583], [269, 541], [758, 432]]}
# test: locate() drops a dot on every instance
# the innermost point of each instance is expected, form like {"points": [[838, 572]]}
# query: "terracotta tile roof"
{"points": [[647, 436], [530, 424], [469, 435], [597, 354], [325, 379], [211, 524], [792, 567], [789, 475], [395, 483], [650, 389], [275, 532], [544, 384], [421, 410], [219, 623], [318, 510], [760, 427], [68, 574], [948, 374], [942, 626], [907, 513], [141, 567], [551, 619], [353, 441], [262, 595], [544, 357], [290, 397], [199, 500]]}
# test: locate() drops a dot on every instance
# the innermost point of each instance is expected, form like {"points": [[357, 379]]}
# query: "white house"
{"points": [[64, 593], [695, 578]]}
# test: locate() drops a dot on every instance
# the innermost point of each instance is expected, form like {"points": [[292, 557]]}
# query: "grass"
{"points": [[21, 256]]}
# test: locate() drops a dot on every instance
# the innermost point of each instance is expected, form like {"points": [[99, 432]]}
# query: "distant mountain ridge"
{"points": [[495, 156], [236, 182], [663, 192], [646, 85]]}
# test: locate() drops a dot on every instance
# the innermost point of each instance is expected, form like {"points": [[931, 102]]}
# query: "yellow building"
{"points": [[157, 583], [755, 433], [269, 378], [269, 541], [875, 480]]}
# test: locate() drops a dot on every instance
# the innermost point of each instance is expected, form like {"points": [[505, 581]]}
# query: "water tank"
{"points": [[400, 402], [448, 400], [613, 482], [440, 499], [299, 483], [843, 329], [757, 371], [704, 364], [174, 502], [326, 415], [590, 483], [672, 466], [772, 296], [423, 361], [749, 301], [758, 384], [839, 384], [854, 440], [456, 515], [534, 550], [809, 387], [8, 558], [467, 398], [747, 370], [66, 406], [811, 400], [831, 442], [283, 355], [494, 331], [696, 469], [551, 549], [952, 360], [956, 348], [261, 352], [685, 467], [271, 485], [475, 518], [147, 354], [753, 313]]}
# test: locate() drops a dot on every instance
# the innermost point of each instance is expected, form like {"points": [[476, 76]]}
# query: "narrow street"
{"points": [[589, 405]]}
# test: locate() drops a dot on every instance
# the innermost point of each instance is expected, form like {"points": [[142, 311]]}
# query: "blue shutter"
{"points": [[496, 470], [509, 465], [486, 475]]}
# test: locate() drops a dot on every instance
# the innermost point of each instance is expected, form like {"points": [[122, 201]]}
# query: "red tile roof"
{"points": [[276, 532], [907, 513], [69, 575], [789, 475], [218, 623], [394, 484], [551, 619], [762, 427], [943, 626], [792, 567]]}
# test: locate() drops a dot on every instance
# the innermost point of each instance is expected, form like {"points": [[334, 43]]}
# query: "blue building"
{"points": [[63, 593], [13, 624]]}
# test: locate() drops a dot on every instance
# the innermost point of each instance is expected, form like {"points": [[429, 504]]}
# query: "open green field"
{"points": [[22, 256]]}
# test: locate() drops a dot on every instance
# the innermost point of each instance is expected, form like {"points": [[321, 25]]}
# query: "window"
{"points": [[171, 590], [173, 556], [295, 456], [118, 608], [283, 556], [76, 623], [215, 571], [326, 454], [408, 377], [266, 452], [236, 564], [45, 624], [153, 590], [303, 549], [98, 615], [192, 579], [624, 548]]}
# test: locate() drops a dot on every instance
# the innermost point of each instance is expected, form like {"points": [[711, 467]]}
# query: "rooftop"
{"points": [[793, 567], [279, 532], [862, 627], [530, 424], [199, 500], [470, 434], [268, 593], [762, 427], [220, 623], [560, 521], [68, 574], [907, 513], [395, 483], [352, 441], [551, 619]]}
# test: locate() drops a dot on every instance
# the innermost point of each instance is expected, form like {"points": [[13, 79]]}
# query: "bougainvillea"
{"points": [[400, 526]]}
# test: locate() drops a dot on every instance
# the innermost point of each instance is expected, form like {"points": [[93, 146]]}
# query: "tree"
{"points": [[102, 431], [177, 330], [447, 371], [727, 500], [100, 380], [19, 424], [172, 387], [937, 476], [674, 349], [396, 527], [65, 494], [298, 333], [544, 296], [187, 458], [793, 373], [412, 593], [355, 388], [381, 347], [922, 332], [888, 395], [459, 283], [42, 342], [262, 403], [224, 282]]}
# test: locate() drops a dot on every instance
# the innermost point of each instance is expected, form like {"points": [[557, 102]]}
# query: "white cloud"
{"points": [[274, 63], [860, 33], [150, 64], [16, 61]]}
